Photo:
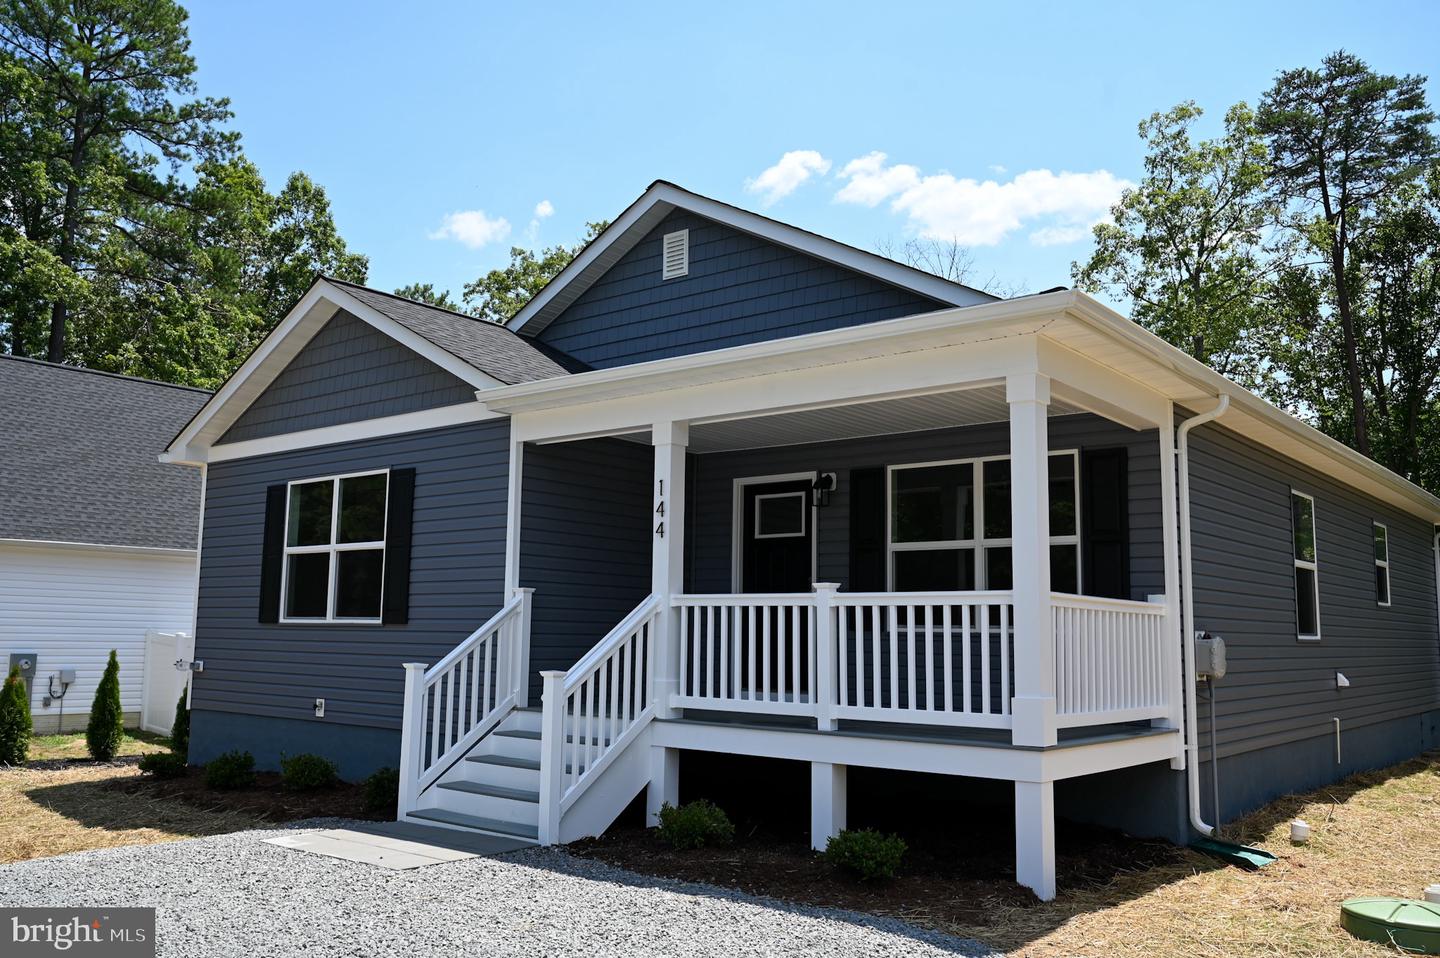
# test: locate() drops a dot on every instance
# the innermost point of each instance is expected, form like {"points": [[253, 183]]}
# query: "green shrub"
{"points": [[230, 770], [382, 790], [163, 764], [305, 773], [695, 824], [15, 725], [107, 722], [180, 730], [866, 853]]}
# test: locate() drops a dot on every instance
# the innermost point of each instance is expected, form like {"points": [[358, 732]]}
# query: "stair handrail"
{"points": [[571, 711], [505, 642]]}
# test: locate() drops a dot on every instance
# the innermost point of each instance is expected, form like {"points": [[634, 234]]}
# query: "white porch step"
{"points": [[501, 803], [507, 771], [479, 823]]}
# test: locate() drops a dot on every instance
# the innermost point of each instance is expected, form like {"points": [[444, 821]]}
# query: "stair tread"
{"points": [[530, 763], [513, 829], [495, 791], [535, 736]]}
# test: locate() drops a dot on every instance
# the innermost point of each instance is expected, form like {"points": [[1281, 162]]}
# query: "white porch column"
{"points": [[1033, 707], [1169, 514], [667, 577], [512, 514], [1035, 837], [664, 785], [667, 556], [827, 802]]}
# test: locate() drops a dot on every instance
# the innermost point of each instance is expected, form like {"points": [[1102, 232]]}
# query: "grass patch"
{"points": [[71, 745], [53, 811]]}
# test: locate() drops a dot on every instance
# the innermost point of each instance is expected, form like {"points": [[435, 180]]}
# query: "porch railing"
{"points": [[454, 703], [1110, 660], [593, 711], [933, 658]]}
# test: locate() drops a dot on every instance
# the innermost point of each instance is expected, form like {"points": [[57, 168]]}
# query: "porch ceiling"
{"points": [[963, 407]]}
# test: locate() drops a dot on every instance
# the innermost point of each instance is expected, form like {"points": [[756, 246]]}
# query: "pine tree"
{"points": [[107, 722], [14, 719], [180, 731]]}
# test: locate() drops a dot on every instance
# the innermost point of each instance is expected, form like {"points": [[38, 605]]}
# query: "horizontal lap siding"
{"points": [[1279, 689], [740, 289], [72, 606], [712, 492], [456, 579], [585, 543], [349, 372]]}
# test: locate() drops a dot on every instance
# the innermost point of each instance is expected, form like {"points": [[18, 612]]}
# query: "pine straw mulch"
{"points": [[51, 810], [1377, 833]]}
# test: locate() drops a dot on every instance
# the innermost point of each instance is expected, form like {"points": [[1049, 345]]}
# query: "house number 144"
{"points": [[660, 511]]}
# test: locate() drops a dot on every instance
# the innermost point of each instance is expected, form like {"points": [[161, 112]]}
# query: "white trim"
{"points": [[98, 547], [980, 542], [1167, 373], [316, 308], [438, 418], [737, 523], [1313, 565], [804, 498], [1382, 563], [661, 198], [333, 550]]}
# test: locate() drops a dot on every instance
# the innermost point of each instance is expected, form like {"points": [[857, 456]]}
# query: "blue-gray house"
{"points": [[727, 486]]}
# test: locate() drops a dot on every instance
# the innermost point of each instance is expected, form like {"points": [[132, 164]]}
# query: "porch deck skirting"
{"points": [[942, 658]]}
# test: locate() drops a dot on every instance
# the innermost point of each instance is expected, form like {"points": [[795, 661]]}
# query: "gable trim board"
{"points": [[437, 418], [315, 309], [662, 198]]}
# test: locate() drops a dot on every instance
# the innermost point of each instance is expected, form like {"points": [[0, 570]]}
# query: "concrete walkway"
{"points": [[398, 845]]}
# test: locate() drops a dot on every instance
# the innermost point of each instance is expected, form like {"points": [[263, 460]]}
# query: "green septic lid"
{"points": [[1410, 925]]}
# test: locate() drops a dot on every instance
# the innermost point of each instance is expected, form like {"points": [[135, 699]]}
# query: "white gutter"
{"points": [[1187, 615]]}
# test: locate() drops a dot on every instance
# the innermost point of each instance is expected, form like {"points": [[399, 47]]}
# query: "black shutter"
{"points": [[398, 510], [272, 553], [867, 530], [1105, 520]]}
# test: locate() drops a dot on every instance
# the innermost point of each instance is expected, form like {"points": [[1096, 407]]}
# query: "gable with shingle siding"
{"points": [[739, 289], [349, 372]]}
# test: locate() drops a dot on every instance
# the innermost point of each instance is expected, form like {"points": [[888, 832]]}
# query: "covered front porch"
{"points": [[954, 556]]}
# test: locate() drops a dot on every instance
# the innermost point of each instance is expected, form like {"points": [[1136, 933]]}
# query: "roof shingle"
{"points": [[78, 457]]}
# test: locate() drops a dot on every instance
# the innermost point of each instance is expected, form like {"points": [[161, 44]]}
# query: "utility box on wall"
{"points": [[1209, 655], [26, 661]]}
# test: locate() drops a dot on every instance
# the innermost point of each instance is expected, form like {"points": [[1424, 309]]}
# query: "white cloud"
{"points": [[786, 176], [473, 228], [543, 209], [997, 169], [1061, 206]]}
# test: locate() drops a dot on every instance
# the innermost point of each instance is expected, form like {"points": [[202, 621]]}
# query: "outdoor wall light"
{"points": [[821, 488]]}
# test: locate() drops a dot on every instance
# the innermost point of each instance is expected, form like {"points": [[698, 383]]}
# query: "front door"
{"points": [[777, 529]]}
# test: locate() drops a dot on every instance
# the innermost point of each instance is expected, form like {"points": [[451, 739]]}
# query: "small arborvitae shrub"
{"points": [[180, 730], [107, 722], [305, 773], [163, 764], [866, 853], [695, 824], [382, 790], [15, 725], [230, 770]]}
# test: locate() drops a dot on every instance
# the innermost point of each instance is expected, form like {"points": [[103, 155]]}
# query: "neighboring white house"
{"points": [[97, 538]]}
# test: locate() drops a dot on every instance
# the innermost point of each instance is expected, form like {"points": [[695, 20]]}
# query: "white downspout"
{"points": [[1187, 615]]}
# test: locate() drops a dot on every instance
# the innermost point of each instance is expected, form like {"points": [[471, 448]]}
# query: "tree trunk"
{"points": [[69, 226], [1358, 413]]}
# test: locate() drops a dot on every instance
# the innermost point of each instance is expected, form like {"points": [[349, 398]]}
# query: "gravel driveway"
{"points": [[235, 895]]}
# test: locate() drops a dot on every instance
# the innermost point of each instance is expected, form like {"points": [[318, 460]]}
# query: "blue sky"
{"points": [[430, 123]]}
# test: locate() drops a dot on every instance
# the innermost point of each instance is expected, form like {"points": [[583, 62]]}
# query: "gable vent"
{"points": [[675, 255]]}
